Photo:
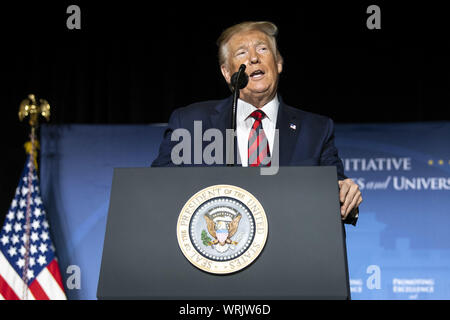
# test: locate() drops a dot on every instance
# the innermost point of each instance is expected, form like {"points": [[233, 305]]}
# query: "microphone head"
{"points": [[239, 79]]}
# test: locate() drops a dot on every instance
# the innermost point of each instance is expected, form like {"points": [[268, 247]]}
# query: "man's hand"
{"points": [[349, 195]]}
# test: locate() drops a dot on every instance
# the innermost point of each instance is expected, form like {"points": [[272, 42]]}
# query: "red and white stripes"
{"points": [[46, 286]]}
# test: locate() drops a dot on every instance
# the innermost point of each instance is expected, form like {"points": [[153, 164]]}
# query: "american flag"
{"points": [[28, 264]]}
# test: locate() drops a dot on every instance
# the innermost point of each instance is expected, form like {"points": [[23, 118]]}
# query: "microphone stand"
{"points": [[237, 83]]}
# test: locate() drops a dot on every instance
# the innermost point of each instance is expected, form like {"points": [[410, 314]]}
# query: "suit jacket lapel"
{"points": [[289, 126], [221, 120]]}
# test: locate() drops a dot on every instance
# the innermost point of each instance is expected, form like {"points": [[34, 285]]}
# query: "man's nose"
{"points": [[254, 58]]}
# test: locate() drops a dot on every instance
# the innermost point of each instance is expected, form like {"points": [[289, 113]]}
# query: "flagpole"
{"points": [[30, 108]]}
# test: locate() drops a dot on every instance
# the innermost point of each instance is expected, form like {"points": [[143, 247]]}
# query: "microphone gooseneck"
{"points": [[239, 80]]}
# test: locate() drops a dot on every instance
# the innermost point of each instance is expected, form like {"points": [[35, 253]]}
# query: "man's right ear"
{"points": [[225, 73]]}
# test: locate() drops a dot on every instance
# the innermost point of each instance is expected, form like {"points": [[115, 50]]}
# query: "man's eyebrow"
{"points": [[242, 46], [261, 42]]}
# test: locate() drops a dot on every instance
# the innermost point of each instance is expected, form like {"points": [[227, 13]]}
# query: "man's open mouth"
{"points": [[256, 74]]}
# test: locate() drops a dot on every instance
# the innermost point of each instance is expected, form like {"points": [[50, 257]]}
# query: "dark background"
{"points": [[135, 62]]}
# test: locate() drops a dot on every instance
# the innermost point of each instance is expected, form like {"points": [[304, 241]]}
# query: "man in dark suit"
{"points": [[303, 138]]}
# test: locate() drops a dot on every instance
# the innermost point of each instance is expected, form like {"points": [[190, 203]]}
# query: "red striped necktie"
{"points": [[258, 145]]}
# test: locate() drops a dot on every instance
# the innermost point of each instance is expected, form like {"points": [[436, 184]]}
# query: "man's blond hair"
{"points": [[267, 27]]}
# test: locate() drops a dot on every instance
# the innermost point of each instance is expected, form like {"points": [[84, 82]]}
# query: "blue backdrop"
{"points": [[400, 248]]}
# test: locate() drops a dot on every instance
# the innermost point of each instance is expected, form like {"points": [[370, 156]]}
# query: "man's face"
{"points": [[253, 49]]}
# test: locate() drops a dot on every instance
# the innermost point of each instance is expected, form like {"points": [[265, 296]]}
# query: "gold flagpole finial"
{"points": [[29, 107]]}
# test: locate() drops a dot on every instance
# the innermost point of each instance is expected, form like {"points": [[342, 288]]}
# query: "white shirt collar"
{"points": [[244, 109]]}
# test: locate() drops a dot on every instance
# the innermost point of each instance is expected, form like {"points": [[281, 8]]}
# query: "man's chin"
{"points": [[257, 97], [257, 91]]}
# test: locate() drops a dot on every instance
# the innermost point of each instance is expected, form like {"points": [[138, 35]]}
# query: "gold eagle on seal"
{"points": [[221, 230]]}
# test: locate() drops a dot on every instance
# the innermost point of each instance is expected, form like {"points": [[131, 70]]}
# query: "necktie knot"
{"points": [[258, 115]]}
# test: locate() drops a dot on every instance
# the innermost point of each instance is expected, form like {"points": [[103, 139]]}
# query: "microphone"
{"points": [[239, 79]]}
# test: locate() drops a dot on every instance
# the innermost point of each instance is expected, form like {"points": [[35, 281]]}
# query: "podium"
{"points": [[303, 257]]}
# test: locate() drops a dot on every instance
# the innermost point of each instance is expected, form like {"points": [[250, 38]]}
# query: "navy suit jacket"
{"points": [[305, 139]]}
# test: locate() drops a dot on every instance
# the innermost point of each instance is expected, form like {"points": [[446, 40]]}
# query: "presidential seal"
{"points": [[222, 229]]}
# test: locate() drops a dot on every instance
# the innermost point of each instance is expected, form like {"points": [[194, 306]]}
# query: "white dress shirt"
{"points": [[244, 124]]}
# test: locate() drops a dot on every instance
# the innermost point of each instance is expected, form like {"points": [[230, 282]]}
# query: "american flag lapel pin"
{"points": [[293, 126]]}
